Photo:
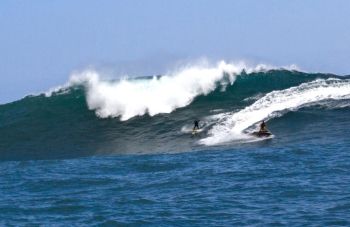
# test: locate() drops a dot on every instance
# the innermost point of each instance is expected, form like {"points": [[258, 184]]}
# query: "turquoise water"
{"points": [[62, 165]]}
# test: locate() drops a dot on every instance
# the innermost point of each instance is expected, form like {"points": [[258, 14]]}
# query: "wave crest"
{"points": [[129, 98]]}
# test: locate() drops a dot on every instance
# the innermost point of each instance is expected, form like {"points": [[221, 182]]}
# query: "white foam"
{"points": [[129, 98], [230, 126]]}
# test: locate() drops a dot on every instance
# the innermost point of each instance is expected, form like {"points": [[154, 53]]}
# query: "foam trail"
{"points": [[232, 125], [129, 98]]}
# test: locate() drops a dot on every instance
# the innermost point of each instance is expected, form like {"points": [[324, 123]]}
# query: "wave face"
{"points": [[90, 116]]}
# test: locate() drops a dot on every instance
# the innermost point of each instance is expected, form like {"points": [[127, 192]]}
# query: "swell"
{"points": [[62, 126]]}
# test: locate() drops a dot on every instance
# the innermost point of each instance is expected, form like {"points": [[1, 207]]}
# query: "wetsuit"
{"points": [[196, 125]]}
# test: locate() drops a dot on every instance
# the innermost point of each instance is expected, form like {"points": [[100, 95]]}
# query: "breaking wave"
{"points": [[127, 98], [91, 116]]}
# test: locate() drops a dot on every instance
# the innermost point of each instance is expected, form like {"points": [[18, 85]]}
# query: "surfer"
{"points": [[263, 127], [196, 125]]}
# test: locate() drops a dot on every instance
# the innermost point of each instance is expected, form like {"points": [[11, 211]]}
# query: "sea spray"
{"points": [[127, 98]]}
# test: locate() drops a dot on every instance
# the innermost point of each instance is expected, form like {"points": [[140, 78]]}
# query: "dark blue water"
{"points": [[307, 185], [61, 165], [278, 182]]}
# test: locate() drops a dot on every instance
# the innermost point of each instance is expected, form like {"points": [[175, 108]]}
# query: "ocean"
{"points": [[121, 153]]}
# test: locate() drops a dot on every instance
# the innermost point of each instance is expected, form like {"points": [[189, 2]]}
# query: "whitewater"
{"points": [[275, 104], [161, 94]]}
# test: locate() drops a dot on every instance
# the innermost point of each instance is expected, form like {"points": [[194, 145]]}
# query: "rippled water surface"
{"points": [[294, 184]]}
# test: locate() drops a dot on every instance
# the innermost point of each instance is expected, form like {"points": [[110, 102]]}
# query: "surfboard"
{"points": [[196, 131]]}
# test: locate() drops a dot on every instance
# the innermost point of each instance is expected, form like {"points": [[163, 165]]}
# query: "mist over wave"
{"points": [[161, 94]]}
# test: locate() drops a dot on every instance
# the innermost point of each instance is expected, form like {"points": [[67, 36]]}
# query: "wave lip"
{"points": [[275, 103], [129, 98]]}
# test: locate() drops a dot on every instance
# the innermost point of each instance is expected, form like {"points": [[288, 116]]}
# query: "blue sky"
{"points": [[42, 42]]}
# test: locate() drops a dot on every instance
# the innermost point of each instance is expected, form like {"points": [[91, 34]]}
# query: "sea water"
{"points": [[78, 156]]}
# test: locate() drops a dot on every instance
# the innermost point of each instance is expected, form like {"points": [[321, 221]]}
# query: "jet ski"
{"points": [[265, 133]]}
